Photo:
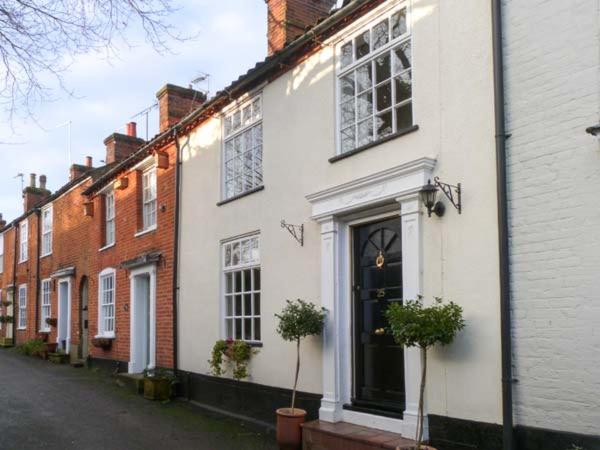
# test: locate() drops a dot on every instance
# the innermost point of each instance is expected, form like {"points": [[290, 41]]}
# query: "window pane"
{"points": [[247, 280], [257, 329], [348, 139], [399, 24], [384, 96], [237, 120], [404, 116], [229, 328], [227, 126], [365, 132], [247, 115], [403, 87], [380, 34], [346, 57], [347, 87], [364, 79], [238, 282], [238, 328], [365, 105], [384, 124], [248, 329], [382, 68], [228, 283], [257, 304], [229, 305], [247, 304], [348, 114], [362, 44], [256, 109], [256, 273], [258, 137], [238, 305], [236, 254], [247, 140], [401, 57]]}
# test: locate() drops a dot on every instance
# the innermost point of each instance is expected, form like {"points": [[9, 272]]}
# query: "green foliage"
{"points": [[300, 319], [414, 325], [32, 348], [6, 319], [237, 353], [159, 373]]}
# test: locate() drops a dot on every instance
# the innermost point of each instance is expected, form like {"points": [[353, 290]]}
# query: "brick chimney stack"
{"points": [[2, 221], [119, 146], [289, 19], [88, 162], [176, 102], [33, 195], [77, 170]]}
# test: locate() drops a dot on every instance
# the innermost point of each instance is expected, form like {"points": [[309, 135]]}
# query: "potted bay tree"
{"points": [[298, 320], [414, 325]]}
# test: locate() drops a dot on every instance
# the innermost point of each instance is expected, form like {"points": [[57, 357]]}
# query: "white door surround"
{"points": [[336, 209], [64, 314], [143, 319]]}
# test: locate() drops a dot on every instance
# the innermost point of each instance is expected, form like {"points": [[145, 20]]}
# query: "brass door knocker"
{"points": [[380, 260]]}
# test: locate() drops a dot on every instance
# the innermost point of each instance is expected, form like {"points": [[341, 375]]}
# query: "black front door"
{"points": [[378, 361]]}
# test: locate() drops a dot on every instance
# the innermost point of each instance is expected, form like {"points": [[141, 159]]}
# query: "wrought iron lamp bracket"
{"points": [[452, 193], [297, 231]]}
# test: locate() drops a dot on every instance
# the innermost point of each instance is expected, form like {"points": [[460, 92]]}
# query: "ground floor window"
{"points": [[22, 307], [241, 294], [46, 304], [106, 312]]}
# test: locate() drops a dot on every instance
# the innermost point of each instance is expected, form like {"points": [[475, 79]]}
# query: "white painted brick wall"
{"points": [[552, 56]]}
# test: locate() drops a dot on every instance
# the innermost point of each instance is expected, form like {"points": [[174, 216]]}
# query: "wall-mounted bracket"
{"points": [[297, 231], [453, 193]]}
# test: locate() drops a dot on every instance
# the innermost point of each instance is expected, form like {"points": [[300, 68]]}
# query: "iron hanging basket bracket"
{"points": [[453, 193], [297, 231]]}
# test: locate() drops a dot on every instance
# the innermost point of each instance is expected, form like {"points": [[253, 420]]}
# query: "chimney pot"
{"points": [[131, 129], [42, 181], [88, 161], [32, 180]]}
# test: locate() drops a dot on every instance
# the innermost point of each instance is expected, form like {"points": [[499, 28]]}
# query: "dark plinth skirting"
{"points": [[455, 434], [251, 400], [109, 366]]}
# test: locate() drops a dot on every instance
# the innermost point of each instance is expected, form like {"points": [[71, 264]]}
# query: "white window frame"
{"points": [[22, 298], [47, 231], [45, 304], [229, 269], [102, 317], [250, 114], [149, 199], [1, 252], [23, 241], [109, 218], [372, 56]]}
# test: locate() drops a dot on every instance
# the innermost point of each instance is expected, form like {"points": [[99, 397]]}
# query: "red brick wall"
{"points": [[6, 278]]}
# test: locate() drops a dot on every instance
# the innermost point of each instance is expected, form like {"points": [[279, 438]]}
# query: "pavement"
{"points": [[48, 406]]}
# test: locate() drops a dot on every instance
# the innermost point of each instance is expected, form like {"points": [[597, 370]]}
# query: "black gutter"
{"points": [[508, 441], [176, 248], [37, 270]]}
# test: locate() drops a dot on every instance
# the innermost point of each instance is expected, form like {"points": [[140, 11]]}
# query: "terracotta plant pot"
{"points": [[289, 430]]}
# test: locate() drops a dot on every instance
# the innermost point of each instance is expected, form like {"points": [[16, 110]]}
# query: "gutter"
{"points": [[508, 438], [175, 292]]}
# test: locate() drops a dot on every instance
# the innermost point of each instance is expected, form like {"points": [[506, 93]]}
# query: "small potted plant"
{"points": [[298, 320], [158, 384], [414, 325], [52, 321], [236, 352]]}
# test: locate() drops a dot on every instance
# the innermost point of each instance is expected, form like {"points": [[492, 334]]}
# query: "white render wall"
{"points": [[453, 103], [552, 65]]}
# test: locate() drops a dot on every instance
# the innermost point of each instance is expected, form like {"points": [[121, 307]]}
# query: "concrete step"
{"points": [[318, 435], [131, 381]]}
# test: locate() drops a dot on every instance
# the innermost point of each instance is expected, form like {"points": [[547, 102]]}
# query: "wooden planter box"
{"points": [[157, 388], [6, 342], [58, 358]]}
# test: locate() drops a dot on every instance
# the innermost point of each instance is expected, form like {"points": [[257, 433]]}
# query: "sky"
{"points": [[231, 38]]}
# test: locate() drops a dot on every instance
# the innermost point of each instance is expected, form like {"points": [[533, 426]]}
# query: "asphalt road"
{"points": [[46, 406]]}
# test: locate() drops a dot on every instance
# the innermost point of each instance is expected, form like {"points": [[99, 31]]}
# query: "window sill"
{"points": [[22, 262], [373, 144], [146, 231], [44, 331], [105, 336], [46, 255], [237, 197], [106, 247], [21, 328]]}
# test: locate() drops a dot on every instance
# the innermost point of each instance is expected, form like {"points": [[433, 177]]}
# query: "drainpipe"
{"points": [[14, 286], [508, 442], [176, 248], [37, 270]]}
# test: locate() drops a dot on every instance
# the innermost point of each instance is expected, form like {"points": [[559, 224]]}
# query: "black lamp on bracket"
{"points": [[429, 196]]}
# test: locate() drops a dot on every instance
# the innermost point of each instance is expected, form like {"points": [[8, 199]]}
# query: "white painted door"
{"points": [[141, 343], [64, 312]]}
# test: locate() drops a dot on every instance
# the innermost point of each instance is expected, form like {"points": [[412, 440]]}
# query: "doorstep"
{"points": [[319, 435]]}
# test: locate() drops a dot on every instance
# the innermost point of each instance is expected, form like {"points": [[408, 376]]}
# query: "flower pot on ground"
{"points": [[414, 325], [158, 384], [298, 320]]}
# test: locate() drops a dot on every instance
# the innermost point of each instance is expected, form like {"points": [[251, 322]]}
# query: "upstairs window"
{"points": [[106, 304], [109, 218], [1, 253], [242, 289], [149, 199], [375, 82], [47, 231], [46, 304], [22, 307], [243, 149], [23, 238]]}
